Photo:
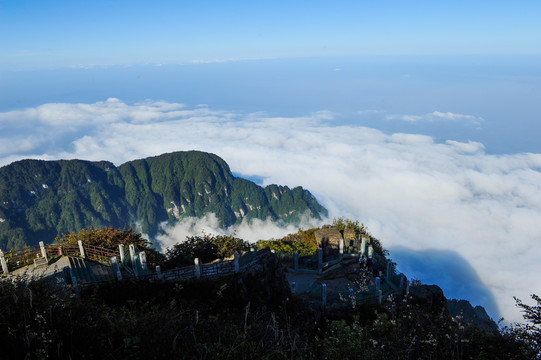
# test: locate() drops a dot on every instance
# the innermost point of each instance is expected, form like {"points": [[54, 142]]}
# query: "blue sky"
{"points": [[37, 34], [419, 118]]}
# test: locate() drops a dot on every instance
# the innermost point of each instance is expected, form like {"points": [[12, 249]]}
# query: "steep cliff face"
{"points": [[39, 200]]}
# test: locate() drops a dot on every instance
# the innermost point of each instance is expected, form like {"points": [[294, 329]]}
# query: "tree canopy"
{"points": [[206, 247]]}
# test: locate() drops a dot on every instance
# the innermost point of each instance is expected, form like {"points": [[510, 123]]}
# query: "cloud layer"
{"points": [[410, 191]]}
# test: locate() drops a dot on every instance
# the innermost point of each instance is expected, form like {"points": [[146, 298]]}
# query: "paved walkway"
{"points": [[52, 269], [304, 280]]}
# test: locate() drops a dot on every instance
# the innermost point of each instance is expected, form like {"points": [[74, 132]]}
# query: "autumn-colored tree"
{"points": [[303, 242], [109, 238]]}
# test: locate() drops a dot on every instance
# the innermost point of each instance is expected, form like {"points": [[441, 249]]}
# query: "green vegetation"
{"points": [[303, 242], [206, 247], [530, 333], [40, 200], [230, 318], [242, 316]]}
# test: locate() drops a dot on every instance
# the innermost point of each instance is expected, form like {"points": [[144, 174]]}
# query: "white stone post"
{"points": [[407, 287], [4, 264], [133, 258], [296, 261], [341, 248], [236, 261], [122, 251], [116, 268], [81, 249], [370, 251], [363, 246], [43, 251], [143, 262], [319, 258], [197, 269], [378, 283], [324, 295], [380, 296], [159, 271]]}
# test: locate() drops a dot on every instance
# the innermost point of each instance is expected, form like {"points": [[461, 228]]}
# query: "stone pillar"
{"points": [[236, 261], [378, 283], [143, 262], [122, 251], [43, 251], [69, 278], [159, 271], [4, 264], [66, 271], [133, 259], [324, 295], [370, 251], [341, 247], [380, 296], [293, 287], [402, 280], [389, 270], [296, 261], [197, 269], [81, 249], [320, 258], [116, 268], [363, 246], [407, 287], [60, 251]]}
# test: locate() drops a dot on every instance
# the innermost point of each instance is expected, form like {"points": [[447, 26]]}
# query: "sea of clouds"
{"points": [[448, 212]]}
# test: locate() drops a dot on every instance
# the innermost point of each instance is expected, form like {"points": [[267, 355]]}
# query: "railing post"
{"points": [[4, 264], [370, 251], [197, 268], [81, 249], [236, 261], [133, 258], [389, 269], [407, 287], [43, 251], [380, 296], [378, 283], [116, 268], [69, 278], [296, 261], [323, 296], [363, 246], [320, 258], [143, 260], [341, 248], [122, 251], [159, 271]]}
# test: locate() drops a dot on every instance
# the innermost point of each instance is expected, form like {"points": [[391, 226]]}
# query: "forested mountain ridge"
{"points": [[40, 200]]}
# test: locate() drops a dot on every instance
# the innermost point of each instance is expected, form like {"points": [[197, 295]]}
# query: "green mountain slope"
{"points": [[39, 200]]}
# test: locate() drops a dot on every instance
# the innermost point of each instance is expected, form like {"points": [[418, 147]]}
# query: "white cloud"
{"points": [[436, 116], [408, 189], [251, 231]]}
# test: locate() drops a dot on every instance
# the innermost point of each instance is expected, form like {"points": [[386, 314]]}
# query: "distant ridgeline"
{"points": [[39, 200]]}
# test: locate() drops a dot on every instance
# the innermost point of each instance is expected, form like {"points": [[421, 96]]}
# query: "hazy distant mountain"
{"points": [[39, 200]]}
